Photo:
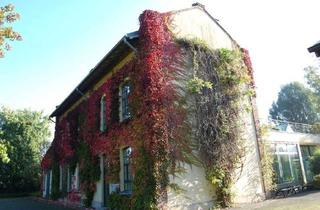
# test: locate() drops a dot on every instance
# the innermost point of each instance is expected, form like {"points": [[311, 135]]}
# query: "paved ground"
{"points": [[27, 203], [303, 201]]}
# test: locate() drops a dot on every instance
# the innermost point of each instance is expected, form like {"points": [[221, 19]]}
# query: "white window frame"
{"points": [[122, 170], [103, 119], [60, 177], [121, 117]]}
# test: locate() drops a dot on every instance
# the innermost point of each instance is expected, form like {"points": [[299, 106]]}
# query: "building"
{"points": [[292, 145], [123, 128], [315, 49]]}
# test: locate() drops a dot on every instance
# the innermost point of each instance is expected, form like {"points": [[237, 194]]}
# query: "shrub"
{"points": [[316, 181], [315, 162], [119, 202]]}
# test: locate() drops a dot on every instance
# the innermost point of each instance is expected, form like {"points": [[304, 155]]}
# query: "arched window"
{"points": [[125, 90], [103, 120]]}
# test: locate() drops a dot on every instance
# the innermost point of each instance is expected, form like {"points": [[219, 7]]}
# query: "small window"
{"points": [[127, 174], [60, 177], [103, 123], [125, 91]]}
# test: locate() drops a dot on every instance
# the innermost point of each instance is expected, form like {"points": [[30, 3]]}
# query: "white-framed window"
{"points": [[103, 120], [286, 163], [126, 168], [124, 109], [60, 177]]}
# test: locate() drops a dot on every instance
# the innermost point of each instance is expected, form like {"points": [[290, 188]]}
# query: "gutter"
{"points": [[129, 45]]}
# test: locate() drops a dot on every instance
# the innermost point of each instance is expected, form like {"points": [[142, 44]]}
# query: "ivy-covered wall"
{"points": [[165, 130], [79, 140]]}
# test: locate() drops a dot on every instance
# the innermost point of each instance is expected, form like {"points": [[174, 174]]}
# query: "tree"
{"points": [[312, 75], [315, 162], [23, 132], [296, 104], [7, 16], [3, 153]]}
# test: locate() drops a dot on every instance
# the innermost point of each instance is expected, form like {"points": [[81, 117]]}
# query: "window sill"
{"points": [[103, 132], [126, 193], [125, 121]]}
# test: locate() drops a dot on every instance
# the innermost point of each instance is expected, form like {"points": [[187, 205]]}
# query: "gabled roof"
{"points": [[122, 49]]}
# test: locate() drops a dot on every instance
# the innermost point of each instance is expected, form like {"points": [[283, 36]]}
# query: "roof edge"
{"points": [[77, 90]]}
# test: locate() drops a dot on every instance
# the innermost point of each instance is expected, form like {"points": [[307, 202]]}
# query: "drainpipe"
{"points": [[304, 178], [129, 45]]}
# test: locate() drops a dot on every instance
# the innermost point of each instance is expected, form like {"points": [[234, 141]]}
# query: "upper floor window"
{"points": [[125, 90], [103, 120], [127, 174]]}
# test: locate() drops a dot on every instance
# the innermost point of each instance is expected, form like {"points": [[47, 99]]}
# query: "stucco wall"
{"points": [[199, 193], [249, 185], [194, 23]]}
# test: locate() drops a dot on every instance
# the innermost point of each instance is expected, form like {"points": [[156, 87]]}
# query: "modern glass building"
{"points": [[292, 145]]}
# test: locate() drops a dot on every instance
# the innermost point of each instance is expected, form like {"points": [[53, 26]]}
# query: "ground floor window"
{"points": [[287, 164], [127, 173], [307, 152]]}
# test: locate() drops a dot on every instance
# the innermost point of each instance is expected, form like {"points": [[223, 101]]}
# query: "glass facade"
{"points": [[307, 151], [287, 164]]}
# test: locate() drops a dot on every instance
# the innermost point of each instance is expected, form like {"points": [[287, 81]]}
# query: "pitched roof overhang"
{"points": [[315, 48], [122, 49]]}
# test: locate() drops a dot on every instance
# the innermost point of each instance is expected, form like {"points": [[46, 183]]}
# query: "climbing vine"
{"points": [[171, 108], [147, 131], [55, 193], [267, 160], [217, 111]]}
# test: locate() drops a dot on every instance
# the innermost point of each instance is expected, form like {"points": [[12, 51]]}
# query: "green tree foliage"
{"points": [[3, 153], [295, 103], [315, 168], [312, 75], [24, 134], [7, 17], [315, 162]]}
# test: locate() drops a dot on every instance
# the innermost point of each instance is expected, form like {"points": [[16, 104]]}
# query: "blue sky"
{"points": [[64, 39]]}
